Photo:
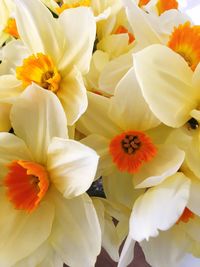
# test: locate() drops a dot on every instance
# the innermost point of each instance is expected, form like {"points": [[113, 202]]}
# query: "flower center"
{"points": [[78, 3], [131, 149], [11, 28], [40, 69], [185, 41], [27, 183], [164, 5], [186, 216], [122, 29]]}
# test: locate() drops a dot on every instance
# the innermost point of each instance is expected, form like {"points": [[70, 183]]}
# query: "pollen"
{"points": [[26, 182], [122, 29], [79, 3], [185, 40], [186, 216], [40, 69], [130, 150], [11, 28], [164, 5]]}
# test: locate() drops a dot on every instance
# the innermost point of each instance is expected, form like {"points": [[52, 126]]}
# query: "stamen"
{"points": [[122, 29], [11, 28], [27, 183], [130, 150], [40, 69], [185, 41], [192, 124]]}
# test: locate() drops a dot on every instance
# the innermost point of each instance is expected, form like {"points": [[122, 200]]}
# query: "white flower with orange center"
{"points": [[160, 6], [178, 97], [44, 177], [125, 137], [55, 54]]}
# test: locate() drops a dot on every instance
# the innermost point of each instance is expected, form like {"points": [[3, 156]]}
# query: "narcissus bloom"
{"points": [[55, 55], [44, 177], [124, 136]]}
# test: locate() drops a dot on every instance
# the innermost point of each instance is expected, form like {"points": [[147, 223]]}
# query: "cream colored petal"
{"points": [[76, 230], [114, 44], [127, 253], [196, 77], [73, 96], [167, 90], [159, 208], [71, 166], [101, 145], [5, 124], [110, 240], [128, 107], [113, 72], [22, 233], [166, 162], [145, 35], [194, 199], [10, 88], [119, 188], [164, 250], [11, 148], [79, 30], [37, 117], [96, 120], [38, 29]]}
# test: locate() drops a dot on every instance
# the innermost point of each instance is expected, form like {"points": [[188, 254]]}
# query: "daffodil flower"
{"points": [[44, 177], [56, 53], [125, 137]]}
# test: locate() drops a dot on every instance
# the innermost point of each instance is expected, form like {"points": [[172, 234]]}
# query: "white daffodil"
{"points": [[8, 26], [125, 137], [55, 55], [172, 93], [44, 177]]}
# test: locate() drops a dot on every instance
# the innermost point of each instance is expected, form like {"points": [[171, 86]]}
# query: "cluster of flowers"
{"points": [[90, 89]]}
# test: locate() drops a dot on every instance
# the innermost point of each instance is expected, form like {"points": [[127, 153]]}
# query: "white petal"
{"points": [[101, 145], [113, 72], [164, 250], [79, 30], [166, 162], [10, 88], [11, 148], [97, 108], [73, 96], [22, 233], [127, 253], [38, 29], [159, 208], [37, 117], [144, 34], [119, 188], [71, 166], [194, 199], [168, 91], [128, 107], [76, 230]]}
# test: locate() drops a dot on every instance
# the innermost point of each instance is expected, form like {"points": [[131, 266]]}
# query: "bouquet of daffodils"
{"points": [[107, 92]]}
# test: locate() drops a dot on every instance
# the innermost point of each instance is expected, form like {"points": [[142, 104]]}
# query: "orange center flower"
{"points": [[186, 216], [185, 40], [11, 28], [164, 5], [40, 69], [143, 3], [26, 182], [131, 149], [122, 29], [74, 5]]}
